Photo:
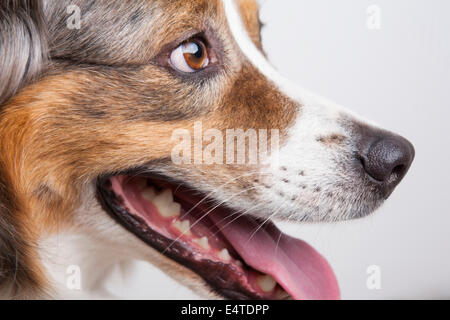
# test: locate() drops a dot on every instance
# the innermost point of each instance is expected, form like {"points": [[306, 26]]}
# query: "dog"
{"points": [[91, 93]]}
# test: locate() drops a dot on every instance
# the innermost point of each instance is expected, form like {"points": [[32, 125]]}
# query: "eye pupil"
{"points": [[195, 54], [194, 49]]}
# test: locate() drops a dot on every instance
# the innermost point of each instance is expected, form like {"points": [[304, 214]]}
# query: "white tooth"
{"points": [[165, 204], [148, 194], [266, 283], [203, 242], [224, 255], [169, 211], [183, 226]]}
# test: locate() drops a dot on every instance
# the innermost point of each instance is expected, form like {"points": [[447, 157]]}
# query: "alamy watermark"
{"points": [[232, 147], [73, 280], [373, 21], [373, 281], [74, 20]]}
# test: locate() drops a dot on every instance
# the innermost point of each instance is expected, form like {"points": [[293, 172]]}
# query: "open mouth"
{"points": [[239, 256]]}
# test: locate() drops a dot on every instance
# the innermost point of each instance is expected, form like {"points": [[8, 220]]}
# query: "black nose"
{"points": [[386, 157]]}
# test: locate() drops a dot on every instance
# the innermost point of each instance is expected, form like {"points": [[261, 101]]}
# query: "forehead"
{"points": [[194, 11], [181, 17], [134, 31]]}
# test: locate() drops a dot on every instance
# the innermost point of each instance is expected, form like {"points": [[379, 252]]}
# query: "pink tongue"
{"points": [[294, 264]]}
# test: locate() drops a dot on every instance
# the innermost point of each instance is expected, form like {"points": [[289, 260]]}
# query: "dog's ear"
{"points": [[23, 44]]}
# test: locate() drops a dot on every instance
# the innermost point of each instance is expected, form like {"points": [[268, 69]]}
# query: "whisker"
{"points": [[265, 221], [240, 215], [262, 224], [278, 243], [204, 215], [217, 189]]}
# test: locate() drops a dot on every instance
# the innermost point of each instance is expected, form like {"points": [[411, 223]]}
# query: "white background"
{"points": [[398, 76]]}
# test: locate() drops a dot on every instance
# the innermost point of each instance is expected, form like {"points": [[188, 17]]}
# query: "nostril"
{"points": [[374, 170], [397, 173], [398, 170]]}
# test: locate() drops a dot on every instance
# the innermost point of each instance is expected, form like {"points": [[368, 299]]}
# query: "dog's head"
{"points": [[101, 98]]}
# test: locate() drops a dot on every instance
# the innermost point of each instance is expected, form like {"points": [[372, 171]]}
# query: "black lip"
{"points": [[222, 278]]}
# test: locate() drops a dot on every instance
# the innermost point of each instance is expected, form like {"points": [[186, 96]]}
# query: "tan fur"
{"points": [[250, 15]]}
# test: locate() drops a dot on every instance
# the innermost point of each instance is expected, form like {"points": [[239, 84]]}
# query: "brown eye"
{"points": [[190, 56]]}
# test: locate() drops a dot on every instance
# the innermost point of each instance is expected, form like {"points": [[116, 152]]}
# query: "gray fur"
{"points": [[23, 46]]}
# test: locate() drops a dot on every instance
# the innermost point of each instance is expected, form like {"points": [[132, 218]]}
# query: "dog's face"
{"points": [[93, 141]]}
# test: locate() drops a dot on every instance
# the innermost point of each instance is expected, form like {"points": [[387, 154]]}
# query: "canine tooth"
{"points": [[203, 242], [183, 226], [224, 255], [149, 194], [165, 204], [266, 283], [169, 211]]}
